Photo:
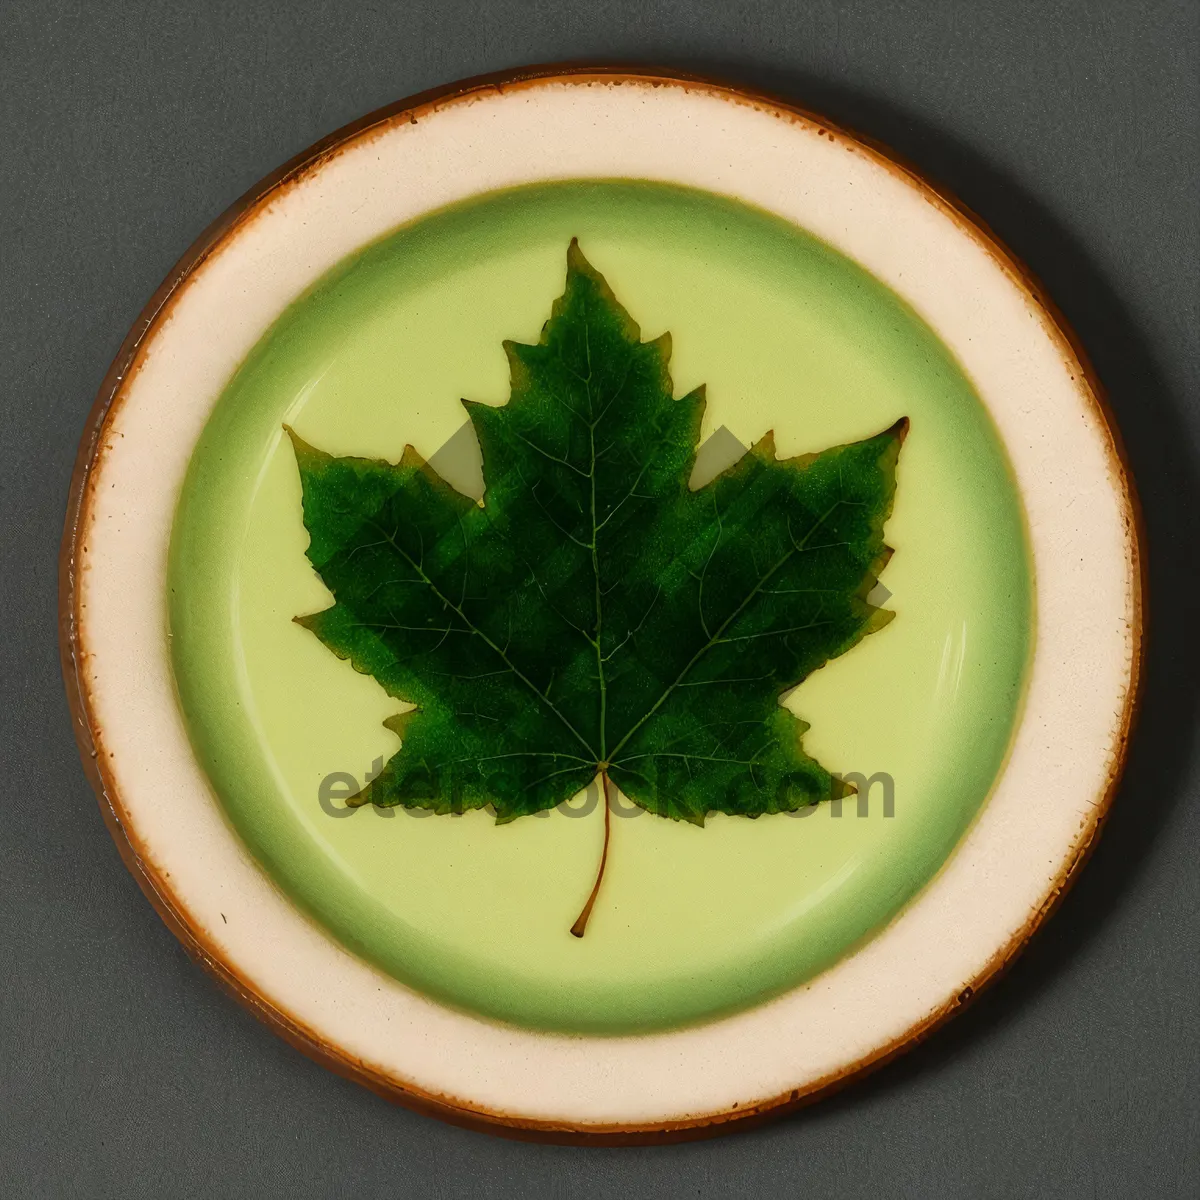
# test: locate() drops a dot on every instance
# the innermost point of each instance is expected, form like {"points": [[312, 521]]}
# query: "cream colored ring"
{"points": [[1067, 751]]}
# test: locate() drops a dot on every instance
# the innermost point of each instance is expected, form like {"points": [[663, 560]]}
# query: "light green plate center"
{"points": [[690, 922]]}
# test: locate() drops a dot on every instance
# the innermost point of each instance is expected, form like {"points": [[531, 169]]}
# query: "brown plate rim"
{"points": [[88, 736]]}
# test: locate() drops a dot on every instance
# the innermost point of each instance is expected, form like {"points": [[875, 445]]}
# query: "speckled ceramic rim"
{"points": [[962, 930]]}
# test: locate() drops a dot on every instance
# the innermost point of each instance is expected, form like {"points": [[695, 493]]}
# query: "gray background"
{"points": [[1072, 128]]}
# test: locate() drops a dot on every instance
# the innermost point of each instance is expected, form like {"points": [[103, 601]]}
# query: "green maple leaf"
{"points": [[595, 615]]}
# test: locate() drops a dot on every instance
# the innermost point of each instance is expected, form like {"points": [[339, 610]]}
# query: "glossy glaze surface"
{"points": [[787, 334]]}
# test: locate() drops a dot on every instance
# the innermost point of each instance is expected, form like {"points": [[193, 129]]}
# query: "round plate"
{"points": [[803, 1020]]}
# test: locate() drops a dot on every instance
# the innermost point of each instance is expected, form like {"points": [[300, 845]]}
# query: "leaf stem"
{"points": [[580, 926]]}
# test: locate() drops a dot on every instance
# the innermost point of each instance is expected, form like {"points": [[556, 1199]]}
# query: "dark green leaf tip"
{"points": [[307, 456]]}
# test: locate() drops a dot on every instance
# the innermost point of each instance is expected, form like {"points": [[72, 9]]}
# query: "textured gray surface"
{"points": [[1071, 127]]}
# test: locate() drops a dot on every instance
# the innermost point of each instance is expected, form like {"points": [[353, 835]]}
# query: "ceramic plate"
{"points": [[685, 724]]}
